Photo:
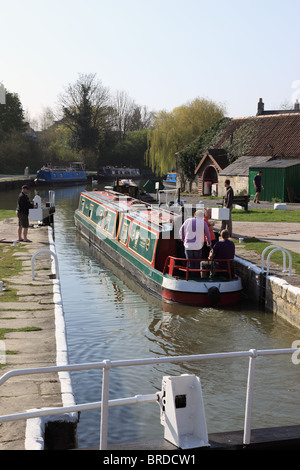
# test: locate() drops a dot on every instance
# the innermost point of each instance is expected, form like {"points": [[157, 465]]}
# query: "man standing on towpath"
{"points": [[23, 207], [228, 202]]}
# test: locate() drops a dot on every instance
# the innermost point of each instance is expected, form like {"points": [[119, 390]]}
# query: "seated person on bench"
{"points": [[224, 249]]}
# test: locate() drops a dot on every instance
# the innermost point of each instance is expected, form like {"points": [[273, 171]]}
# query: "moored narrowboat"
{"points": [[170, 181], [50, 175], [111, 172], [142, 239]]}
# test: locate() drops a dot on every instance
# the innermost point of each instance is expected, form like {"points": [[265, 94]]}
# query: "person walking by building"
{"points": [[258, 186], [23, 207], [227, 203], [192, 234]]}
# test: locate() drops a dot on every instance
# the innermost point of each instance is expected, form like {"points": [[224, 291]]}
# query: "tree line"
{"points": [[100, 128]]}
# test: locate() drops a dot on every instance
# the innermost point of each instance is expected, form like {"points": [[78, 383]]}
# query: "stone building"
{"points": [[267, 136]]}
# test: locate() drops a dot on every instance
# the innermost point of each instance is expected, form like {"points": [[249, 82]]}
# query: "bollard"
{"points": [[182, 412]]}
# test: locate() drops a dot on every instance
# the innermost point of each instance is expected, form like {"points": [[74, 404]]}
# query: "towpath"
{"points": [[33, 308]]}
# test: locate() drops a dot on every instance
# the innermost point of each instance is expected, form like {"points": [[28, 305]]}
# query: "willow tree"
{"points": [[176, 129]]}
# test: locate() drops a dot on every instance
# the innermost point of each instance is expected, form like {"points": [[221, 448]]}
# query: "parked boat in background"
{"points": [[170, 181], [111, 172], [127, 187], [142, 239], [52, 175]]}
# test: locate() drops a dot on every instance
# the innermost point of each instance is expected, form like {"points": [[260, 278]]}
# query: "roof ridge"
{"points": [[265, 116]]}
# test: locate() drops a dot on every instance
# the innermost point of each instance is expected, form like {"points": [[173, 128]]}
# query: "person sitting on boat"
{"points": [[223, 250], [192, 234]]}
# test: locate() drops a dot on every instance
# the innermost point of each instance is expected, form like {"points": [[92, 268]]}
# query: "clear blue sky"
{"points": [[163, 53]]}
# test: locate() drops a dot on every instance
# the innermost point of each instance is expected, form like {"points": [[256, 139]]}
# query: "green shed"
{"points": [[277, 177], [149, 186]]}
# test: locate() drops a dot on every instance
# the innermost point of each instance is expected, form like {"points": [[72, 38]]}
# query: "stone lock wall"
{"points": [[274, 294], [283, 299]]}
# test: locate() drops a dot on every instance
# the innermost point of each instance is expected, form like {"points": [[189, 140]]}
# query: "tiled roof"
{"points": [[272, 135], [240, 167]]}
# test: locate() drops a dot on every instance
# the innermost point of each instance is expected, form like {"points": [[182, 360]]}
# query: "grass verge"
{"points": [[9, 264], [266, 215], [5, 214]]}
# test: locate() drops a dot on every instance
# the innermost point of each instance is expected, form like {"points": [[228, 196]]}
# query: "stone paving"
{"points": [[34, 308]]}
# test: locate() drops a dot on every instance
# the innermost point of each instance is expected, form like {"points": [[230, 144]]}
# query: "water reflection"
{"points": [[109, 317]]}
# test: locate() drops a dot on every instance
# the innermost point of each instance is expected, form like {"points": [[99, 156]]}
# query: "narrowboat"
{"points": [[50, 175], [111, 172], [142, 240], [170, 181], [126, 186]]}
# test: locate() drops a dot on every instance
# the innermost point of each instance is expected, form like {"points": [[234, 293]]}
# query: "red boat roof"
{"points": [[136, 208]]}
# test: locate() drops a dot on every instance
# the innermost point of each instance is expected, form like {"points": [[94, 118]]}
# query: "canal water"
{"points": [[109, 317]]}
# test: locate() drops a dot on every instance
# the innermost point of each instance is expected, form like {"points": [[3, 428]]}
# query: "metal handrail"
{"points": [[44, 251], [276, 248], [108, 365], [170, 265]]}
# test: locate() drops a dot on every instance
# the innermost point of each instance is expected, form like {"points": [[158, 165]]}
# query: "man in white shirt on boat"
{"points": [[192, 235]]}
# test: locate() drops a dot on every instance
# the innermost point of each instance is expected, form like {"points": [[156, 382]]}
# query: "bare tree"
{"points": [[123, 107], [141, 118], [129, 116], [46, 119]]}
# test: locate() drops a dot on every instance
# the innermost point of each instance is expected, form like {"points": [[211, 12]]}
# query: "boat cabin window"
{"points": [[100, 213], [124, 229], [82, 205], [109, 222], [91, 210]]}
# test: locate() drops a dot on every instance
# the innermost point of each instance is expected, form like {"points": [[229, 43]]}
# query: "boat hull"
{"points": [[200, 293], [108, 173], [59, 176], [47, 178]]}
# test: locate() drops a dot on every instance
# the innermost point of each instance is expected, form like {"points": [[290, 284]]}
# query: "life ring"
{"points": [[213, 295]]}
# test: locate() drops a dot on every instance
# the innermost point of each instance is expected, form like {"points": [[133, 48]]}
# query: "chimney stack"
{"points": [[297, 106], [260, 107]]}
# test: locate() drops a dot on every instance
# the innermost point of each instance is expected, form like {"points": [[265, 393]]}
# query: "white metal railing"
{"points": [[107, 365], [284, 253], [166, 192], [44, 251]]}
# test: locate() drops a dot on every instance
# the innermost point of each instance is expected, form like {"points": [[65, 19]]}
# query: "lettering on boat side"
{"points": [[151, 459]]}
